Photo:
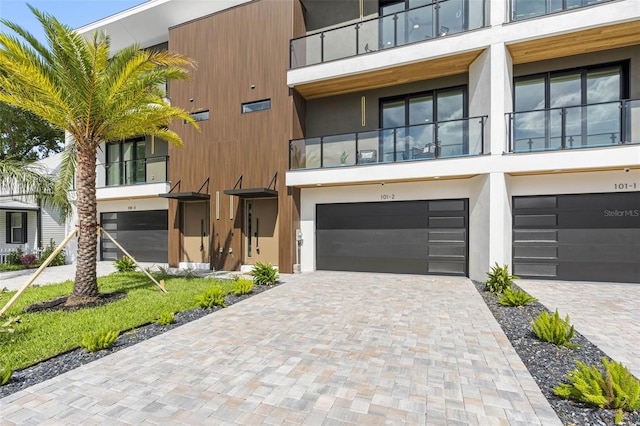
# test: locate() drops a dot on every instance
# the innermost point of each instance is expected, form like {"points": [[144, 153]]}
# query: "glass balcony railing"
{"points": [[601, 124], [444, 139], [133, 172], [437, 19], [525, 9]]}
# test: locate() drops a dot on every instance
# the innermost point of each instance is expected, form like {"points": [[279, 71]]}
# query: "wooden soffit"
{"points": [[593, 40], [434, 68]]}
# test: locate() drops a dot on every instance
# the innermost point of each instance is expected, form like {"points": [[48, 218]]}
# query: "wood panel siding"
{"points": [[393, 76], [592, 40], [242, 55]]}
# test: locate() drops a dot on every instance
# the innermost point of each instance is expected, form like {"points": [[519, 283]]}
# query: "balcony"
{"points": [[438, 19], [582, 126], [133, 172], [444, 139], [526, 9]]}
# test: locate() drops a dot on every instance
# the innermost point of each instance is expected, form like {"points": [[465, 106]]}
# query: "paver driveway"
{"points": [[323, 348], [604, 313]]}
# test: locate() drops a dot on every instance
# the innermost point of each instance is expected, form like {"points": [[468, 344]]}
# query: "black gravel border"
{"points": [[74, 358], [548, 363]]}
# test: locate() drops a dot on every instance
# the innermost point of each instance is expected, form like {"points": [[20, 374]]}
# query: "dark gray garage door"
{"points": [[144, 234], [585, 237], [417, 237]]}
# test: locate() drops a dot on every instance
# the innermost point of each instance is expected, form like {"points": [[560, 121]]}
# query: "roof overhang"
{"points": [[252, 192], [186, 196], [18, 206]]}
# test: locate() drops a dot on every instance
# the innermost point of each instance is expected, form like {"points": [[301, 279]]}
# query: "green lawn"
{"points": [[45, 334], [10, 267]]}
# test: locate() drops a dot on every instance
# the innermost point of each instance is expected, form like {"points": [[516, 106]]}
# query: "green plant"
{"points": [[511, 297], [126, 264], [28, 260], [264, 273], [189, 272], [553, 329], [499, 279], [213, 296], [7, 326], [242, 286], [617, 388], [50, 333], [166, 318], [619, 417], [15, 257], [343, 157], [99, 339], [58, 260], [5, 374]]}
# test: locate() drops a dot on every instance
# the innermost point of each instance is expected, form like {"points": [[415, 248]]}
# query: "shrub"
{"points": [[264, 274], [512, 297], [499, 279], [5, 374], [15, 257], [166, 318], [617, 388], [553, 329], [58, 260], [242, 286], [28, 260], [99, 339], [213, 296], [126, 264]]}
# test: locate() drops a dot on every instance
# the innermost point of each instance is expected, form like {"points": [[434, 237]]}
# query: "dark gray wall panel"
{"points": [[144, 234], [418, 237], [596, 237]]}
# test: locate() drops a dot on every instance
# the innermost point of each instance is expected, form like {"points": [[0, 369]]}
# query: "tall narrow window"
{"points": [[16, 228]]}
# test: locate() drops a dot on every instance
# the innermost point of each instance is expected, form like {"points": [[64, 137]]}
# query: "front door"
{"points": [[195, 232], [261, 231]]}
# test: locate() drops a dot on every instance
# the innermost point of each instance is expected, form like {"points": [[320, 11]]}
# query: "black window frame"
{"points": [[408, 96], [122, 178], [266, 101], [9, 228], [548, 75], [198, 116]]}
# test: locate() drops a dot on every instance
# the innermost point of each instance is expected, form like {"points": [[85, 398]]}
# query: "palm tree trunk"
{"points": [[85, 288]]}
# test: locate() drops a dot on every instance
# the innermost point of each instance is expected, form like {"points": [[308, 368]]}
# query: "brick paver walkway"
{"points": [[323, 348], [604, 313]]}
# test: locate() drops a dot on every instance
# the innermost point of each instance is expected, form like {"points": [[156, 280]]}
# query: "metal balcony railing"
{"points": [[600, 124], [132, 172], [437, 19], [525, 9], [443, 139]]}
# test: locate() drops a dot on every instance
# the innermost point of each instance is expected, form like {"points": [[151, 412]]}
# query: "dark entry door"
{"points": [[415, 237], [582, 237]]}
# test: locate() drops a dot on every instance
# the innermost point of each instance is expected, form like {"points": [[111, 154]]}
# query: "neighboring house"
{"points": [[26, 222], [398, 136]]}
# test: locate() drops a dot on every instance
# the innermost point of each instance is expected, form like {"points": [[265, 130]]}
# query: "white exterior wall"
{"points": [[133, 204]]}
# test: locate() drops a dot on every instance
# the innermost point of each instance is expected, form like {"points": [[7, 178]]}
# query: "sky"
{"points": [[75, 13]]}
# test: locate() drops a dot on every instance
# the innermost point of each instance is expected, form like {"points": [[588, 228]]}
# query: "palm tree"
{"points": [[77, 85]]}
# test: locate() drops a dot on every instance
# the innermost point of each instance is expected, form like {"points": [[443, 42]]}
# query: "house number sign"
{"points": [[387, 197]]}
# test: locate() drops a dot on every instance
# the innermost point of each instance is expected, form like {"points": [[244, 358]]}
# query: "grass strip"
{"points": [[42, 335]]}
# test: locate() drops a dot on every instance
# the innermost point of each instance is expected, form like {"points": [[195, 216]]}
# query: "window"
{"points": [[408, 123], [569, 108], [200, 115], [16, 228], [126, 162], [256, 106]]}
